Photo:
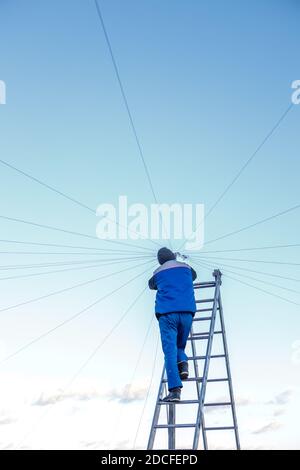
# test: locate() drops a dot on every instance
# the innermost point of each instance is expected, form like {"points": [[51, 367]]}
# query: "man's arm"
{"points": [[194, 274], [152, 284]]}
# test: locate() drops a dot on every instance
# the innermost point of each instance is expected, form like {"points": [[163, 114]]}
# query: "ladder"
{"points": [[209, 312]]}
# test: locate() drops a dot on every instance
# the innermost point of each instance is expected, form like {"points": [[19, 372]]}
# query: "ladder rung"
{"points": [[224, 379], [193, 402], [200, 379], [204, 301], [181, 402], [202, 318], [214, 356], [206, 333], [197, 337], [161, 426], [221, 428], [204, 310], [191, 379], [225, 403], [204, 285]]}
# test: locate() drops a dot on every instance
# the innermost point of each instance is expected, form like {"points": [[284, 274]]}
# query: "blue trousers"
{"points": [[174, 331]]}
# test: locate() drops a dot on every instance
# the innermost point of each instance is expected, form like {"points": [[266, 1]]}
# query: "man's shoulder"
{"points": [[171, 265]]}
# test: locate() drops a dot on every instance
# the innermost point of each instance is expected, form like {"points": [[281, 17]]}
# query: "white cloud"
{"points": [[39, 406], [243, 401], [87, 415], [7, 417], [94, 444], [271, 426], [239, 402], [6, 420], [282, 398], [53, 398], [128, 394]]}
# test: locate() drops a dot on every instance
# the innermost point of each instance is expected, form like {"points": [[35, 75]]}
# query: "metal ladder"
{"points": [[208, 314]]}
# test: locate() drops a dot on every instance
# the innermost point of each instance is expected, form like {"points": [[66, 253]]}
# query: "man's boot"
{"points": [[183, 368], [174, 395]]}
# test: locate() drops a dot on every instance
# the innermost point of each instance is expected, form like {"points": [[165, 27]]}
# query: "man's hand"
{"points": [[151, 283]]}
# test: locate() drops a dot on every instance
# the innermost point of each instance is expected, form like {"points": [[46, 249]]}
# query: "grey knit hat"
{"points": [[164, 254]]}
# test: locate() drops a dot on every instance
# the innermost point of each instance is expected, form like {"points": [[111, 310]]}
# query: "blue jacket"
{"points": [[175, 291]]}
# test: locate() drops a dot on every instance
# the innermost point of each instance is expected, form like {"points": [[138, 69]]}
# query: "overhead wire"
{"points": [[128, 389], [254, 287], [69, 263], [286, 263], [80, 268], [107, 336], [252, 156], [83, 365], [70, 319], [244, 166], [57, 253], [258, 272], [259, 222], [66, 196], [127, 107], [246, 249], [68, 289], [147, 395], [71, 232], [90, 266], [264, 291], [277, 286], [56, 245]]}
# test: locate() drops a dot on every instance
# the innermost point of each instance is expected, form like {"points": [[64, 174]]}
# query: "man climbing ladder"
{"points": [[174, 308]]}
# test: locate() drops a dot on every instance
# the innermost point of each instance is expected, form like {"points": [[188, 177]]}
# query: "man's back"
{"points": [[174, 284]]}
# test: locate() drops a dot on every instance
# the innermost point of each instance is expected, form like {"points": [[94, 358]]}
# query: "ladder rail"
{"points": [[199, 420], [198, 385], [156, 413], [171, 422], [228, 370]]}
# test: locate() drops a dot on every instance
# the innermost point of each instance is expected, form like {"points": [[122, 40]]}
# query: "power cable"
{"points": [[68, 320], [67, 289], [126, 103], [248, 161]]}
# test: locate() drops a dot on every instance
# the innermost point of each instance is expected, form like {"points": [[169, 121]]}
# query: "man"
{"points": [[175, 307]]}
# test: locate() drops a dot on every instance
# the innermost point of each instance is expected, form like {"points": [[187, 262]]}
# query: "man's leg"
{"points": [[184, 327], [168, 332]]}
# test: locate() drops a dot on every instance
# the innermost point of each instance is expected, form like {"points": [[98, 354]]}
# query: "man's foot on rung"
{"points": [[173, 396]]}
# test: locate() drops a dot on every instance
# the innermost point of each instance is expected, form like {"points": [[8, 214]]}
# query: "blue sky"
{"points": [[206, 82]]}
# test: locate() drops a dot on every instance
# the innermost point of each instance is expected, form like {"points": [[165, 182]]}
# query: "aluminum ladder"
{"points": [[208, 315]]}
